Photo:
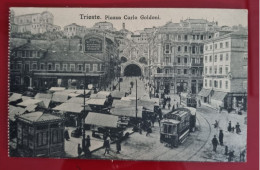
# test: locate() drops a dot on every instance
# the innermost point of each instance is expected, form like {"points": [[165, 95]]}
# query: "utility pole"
{"points": [[84, 113], [136, 99]]}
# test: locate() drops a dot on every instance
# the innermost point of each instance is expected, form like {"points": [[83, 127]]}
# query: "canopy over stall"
{"points": [[79, 100], [43, 96], [15, 97], [99, 102], [32, 102], [60, 97], [103, 120], [56, 89], [204, 92], [70, 107], [129, 111], [117, 94], [15, 111]]}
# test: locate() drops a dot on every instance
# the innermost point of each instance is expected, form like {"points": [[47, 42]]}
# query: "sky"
{"points": [[66, 16]]}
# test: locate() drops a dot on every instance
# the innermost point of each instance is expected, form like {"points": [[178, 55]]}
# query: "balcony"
{"points": [[196, 64], [164, 75], [169, 64]]}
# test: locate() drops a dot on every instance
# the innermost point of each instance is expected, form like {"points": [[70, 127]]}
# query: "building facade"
{"points": [[225, 70], [94, 57], [35, 23], [74, 30], [176, 54]]}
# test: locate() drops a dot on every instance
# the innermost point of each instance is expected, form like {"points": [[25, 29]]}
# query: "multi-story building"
{"points": [[74, 30], [104, 26], [225, 70], [93, 56], [34, 23], [176, 53]]}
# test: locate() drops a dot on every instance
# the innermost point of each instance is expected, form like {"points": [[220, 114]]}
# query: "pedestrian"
{"points": [[87, 153], [107, 146], [220, 137], [238, 130], [216, 124], [230, 156], [79, 150], [173, 108], [199, 103], [169, 106], [226, 150], [66, 134], [229, 126], [88, 141], [215, 143], [242, 156], [149, 130], [177, 104], [233, 129], [118, 146]]}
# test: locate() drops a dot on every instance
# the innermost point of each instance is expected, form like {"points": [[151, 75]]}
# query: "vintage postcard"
{"points": [[159, 84]]}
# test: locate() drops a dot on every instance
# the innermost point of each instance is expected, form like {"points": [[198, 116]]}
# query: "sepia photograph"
{"points": [[157, 84]]}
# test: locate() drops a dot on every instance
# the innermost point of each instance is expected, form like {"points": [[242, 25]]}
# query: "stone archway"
{"points": [[132, 70]]}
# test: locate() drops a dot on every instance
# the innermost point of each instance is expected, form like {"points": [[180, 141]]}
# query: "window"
{"points": [[210, 58], [179, 37], [72, 67], [179, 60], [179, 48], [42, 66], [227, 57], [201, 37], [206, 59], [65, 67], [57, 136], [216, 46], [19, 54], [226, 69], [193, 49], [167, 36], [220, 69], [210, 47], [167, 49], [179, 71], [216, 58], [215, 69], [226, 84], [245, 56], [216, 83], [94, 67], [87, 68], [220, 83], [42, 138], [210, 83], [193, 37], [193, 71], [80, 67], [227, 45], [221, 57], [221, 45], [201, 49], [210, 37], [206, 82], [245, 84], [198, 37], [186, 49], [49, 66], [185, 60], [185, 37], [34, 54], [34, 66], [210, 70], [206, 70], [57, 67], [185, 71]]}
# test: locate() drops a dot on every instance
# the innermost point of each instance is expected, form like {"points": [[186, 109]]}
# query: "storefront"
{"points": [[205, 95], [218, 100]]}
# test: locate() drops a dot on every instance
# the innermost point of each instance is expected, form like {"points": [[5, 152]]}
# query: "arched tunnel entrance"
{"points": [[132, 70]]}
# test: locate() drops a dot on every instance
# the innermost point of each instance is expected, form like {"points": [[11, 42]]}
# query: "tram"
{"points": [[177, 125], [188, 100]]}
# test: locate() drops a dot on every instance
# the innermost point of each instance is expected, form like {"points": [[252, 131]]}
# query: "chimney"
{"points": [[123, 25]]}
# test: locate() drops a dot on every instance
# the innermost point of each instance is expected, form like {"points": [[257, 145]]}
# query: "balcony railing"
{"points": [[164, 75]]}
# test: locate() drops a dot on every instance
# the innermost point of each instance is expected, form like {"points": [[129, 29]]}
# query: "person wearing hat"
{"points": [[215, 143]]}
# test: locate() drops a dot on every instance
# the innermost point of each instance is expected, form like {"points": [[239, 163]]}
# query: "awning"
{"points": [[70, 107], [99, 102], [129, 111], [15, 97], [31, 108], [103, 120], [204, 92], [100, 95], [218, 96], [79, 100]]}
